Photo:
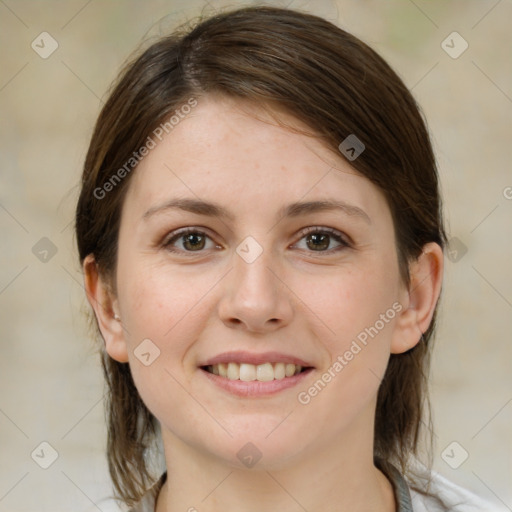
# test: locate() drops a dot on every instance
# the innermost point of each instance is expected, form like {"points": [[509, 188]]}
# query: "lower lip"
{"points": [[255, 388]]}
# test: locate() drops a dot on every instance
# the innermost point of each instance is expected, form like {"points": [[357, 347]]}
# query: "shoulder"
{"points": [[432, 492]]}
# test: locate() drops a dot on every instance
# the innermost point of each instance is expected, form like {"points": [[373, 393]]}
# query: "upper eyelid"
{"points": [[177, 233]]}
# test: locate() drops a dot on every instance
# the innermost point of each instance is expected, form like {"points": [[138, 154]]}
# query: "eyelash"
{"points": [[336, 235]]}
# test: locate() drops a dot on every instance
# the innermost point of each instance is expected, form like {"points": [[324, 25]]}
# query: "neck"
{"points": [[326, 477]]}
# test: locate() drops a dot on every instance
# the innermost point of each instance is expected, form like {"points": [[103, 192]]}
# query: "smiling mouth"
{"points": [[249, 372]]}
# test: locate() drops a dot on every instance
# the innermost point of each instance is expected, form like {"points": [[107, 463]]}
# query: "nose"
{"points": [[255, 298]]}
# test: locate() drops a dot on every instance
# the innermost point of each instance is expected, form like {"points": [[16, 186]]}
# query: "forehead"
{"points": [[236, 153]]}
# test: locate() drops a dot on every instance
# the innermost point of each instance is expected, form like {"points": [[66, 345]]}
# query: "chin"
{"points": [[257, 450]]}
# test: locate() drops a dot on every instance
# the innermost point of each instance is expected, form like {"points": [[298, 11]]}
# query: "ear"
{"points": [[420, 299], [105, 306]]}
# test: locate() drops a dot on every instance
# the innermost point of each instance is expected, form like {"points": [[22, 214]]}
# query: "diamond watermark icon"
{"points": [[44, 45], [351, 147], [454, 455], [455, 249], [44, 250], [147, 352], [249, 455], [454, 45], [44, 455], [249, 249]]}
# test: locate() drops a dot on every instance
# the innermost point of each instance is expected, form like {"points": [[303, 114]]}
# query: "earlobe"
{"points": [[104, 304], [426, 275]]}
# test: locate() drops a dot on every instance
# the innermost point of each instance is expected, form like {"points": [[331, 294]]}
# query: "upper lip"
{"points": [[240, 356]]}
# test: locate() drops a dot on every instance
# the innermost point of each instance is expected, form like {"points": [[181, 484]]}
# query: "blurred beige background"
{"points": [[50, 382]]}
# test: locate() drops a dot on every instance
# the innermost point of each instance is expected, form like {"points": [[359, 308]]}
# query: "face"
{"points": [[230, 259]]}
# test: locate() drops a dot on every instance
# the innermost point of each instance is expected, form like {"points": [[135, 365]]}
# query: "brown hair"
{"points": [[336, 85]]}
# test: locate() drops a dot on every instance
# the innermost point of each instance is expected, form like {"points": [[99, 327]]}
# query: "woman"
{"points": [[261, 235]]}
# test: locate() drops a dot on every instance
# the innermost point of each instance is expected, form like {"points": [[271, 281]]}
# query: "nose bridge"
{"points": [[253, 276], [254, 294]]}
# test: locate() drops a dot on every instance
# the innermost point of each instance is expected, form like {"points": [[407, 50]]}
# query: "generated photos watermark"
{"points": [[361, 341], [156, 135]]}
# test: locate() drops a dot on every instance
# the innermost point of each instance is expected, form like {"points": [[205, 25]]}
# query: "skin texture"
{"points": [[294, 298]]}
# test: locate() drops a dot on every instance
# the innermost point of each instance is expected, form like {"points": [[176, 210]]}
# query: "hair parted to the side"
{"points": [[287, 60]]}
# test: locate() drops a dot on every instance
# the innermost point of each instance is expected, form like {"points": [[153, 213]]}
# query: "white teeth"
{"points": [[223, 369], [264, 372], [289, 369], [279, 371], [233, 371], [248, 372]]}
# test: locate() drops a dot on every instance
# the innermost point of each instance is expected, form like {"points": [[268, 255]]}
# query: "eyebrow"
{"points": [[296, 209]]}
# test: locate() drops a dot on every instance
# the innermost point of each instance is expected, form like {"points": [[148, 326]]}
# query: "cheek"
{"points": [[161, 305], [349, 302], [171, 308], [165, 309], [360, 311]]}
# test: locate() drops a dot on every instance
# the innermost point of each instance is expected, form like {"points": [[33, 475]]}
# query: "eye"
{"points": [[190, 239], [319, 239]]}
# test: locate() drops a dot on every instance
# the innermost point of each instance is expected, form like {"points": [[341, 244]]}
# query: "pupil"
{"points": [[193, 238], [322, 238]]}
